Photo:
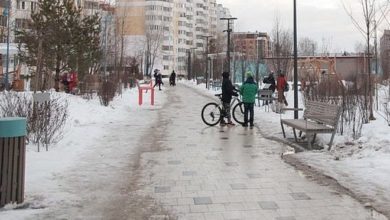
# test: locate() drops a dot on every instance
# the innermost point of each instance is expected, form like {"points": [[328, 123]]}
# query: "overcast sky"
{"points": [[320, 20]]}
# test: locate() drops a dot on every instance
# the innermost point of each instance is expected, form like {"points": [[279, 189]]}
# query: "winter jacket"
{"points": [[228, 90], [281, 84], [270, 80], [249, 91]]}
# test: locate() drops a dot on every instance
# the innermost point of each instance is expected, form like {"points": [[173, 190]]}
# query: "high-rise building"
{"points": [[385, 53], [161, 33]]}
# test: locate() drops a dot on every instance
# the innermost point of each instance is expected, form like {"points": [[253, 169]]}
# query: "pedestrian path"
{"points": [[202, 172]]}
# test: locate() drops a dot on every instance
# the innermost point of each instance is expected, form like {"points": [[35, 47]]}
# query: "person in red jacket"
{"points": [[281, 86]]}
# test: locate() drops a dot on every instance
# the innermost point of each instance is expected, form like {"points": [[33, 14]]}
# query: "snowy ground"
{"points": [[362, 166], [82, 154]]}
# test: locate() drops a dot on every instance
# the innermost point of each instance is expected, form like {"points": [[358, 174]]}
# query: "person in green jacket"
{"points": [[249, 91]]}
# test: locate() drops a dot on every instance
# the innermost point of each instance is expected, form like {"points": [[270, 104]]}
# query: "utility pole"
{"points": [[207, 63], [229, 30], [8, 30], [295, 63], [189, 66]]}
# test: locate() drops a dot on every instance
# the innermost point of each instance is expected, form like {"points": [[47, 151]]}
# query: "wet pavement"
{"points": [[200, 172]]}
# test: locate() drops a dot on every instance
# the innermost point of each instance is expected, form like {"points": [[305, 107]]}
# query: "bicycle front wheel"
{"points": [[211, 114], [238, 113]]}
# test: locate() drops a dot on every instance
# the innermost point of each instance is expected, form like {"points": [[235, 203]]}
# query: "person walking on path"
{"points": [[172, 79], [281, 86], [249, 91], [270, 80], [228, 91], [158, 79]]}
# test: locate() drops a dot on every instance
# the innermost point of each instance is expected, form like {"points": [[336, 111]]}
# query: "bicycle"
{"points": [[212, 113]]}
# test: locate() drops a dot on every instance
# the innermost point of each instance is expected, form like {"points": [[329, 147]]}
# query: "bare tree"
{"points": [[325, 46], [307, 47], [367, 26], [153, 46], [282, 48], [216, 47]]}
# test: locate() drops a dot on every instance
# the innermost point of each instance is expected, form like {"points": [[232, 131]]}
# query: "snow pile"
{"points": [[85, 124]]}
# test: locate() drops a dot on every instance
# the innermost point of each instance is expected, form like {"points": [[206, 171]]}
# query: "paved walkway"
{"points": [[199, 172]]}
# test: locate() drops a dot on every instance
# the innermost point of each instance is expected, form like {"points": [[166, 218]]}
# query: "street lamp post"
{"points": [[229, 30], [6, 80], [189, 67], [295, 63], [207, 64]]}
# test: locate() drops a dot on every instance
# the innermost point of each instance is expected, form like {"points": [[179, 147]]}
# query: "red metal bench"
{"points": [[146, 87]]}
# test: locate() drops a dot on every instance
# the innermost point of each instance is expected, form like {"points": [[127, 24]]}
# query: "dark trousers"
{"points": [[249, 108]]}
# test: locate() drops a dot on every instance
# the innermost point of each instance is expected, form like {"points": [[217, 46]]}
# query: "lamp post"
{"points": [[189, 66], [295, 63], [6, 83], [207, 63], [229, 30]]}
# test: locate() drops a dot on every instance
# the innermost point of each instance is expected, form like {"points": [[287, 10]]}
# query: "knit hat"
{"points": [[249, 74]]}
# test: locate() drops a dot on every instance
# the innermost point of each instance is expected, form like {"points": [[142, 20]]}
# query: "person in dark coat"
{"points": [[228, 91], [270, 80], [172, 79], [158, 78]]}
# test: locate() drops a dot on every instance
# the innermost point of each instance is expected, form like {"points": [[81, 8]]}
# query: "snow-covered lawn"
{"points": [[85, 125]]}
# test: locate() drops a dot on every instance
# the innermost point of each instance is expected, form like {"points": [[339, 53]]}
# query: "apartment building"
{"points": [[20, 16], [252, 45], [162, 32], [385, 53]]}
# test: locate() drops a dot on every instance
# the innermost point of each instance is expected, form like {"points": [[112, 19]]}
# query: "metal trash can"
{"points": [[12, 159]]}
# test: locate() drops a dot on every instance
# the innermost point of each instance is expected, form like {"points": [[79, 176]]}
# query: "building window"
{"points": [[166, 67], [23, 5]]}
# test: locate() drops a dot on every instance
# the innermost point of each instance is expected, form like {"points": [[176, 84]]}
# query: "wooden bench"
{"points": [[318, 117], [265, 95]]}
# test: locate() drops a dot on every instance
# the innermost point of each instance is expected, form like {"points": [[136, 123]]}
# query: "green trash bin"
{"points": [[12, 159]]}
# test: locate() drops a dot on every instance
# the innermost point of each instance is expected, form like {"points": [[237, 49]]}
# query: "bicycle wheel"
{"points": [[238, 113], [211, 114]]}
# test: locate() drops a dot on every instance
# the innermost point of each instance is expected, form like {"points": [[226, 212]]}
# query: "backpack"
{"points": [[287, 87]]}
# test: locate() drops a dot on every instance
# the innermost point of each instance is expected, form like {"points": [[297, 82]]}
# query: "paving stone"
{"points": [[268, 205], [254, 175], [162, 189], [300, 196], [231, 164], [189, 173], [285, 218], [174, 162], [237, 186], [202, 201], [212, 158]]}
